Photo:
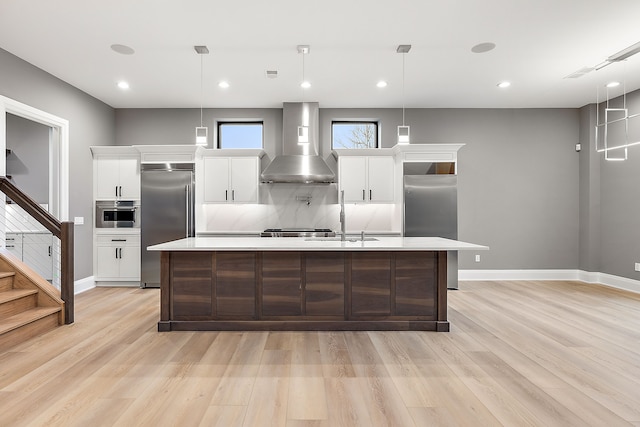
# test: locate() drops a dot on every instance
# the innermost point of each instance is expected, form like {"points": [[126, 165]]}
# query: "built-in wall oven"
{"points": [[118, 214]]}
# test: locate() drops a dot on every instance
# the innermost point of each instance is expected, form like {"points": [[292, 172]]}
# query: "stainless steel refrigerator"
{"points": [[431, 210], [168, 214]]}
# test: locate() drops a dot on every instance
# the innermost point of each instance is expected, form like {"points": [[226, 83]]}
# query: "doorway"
{"points": [[58, 198]]}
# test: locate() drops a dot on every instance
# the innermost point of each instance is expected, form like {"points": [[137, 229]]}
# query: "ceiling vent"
{"points": [[581, 72]]}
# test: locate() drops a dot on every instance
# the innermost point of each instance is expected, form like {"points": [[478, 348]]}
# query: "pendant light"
{"points": [[619, 130], [201, 131], [303, 129], [403, 131]]}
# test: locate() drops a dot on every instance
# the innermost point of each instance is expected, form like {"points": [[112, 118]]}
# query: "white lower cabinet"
{"points": [[118, 257], [14, 244], [34, 249]]}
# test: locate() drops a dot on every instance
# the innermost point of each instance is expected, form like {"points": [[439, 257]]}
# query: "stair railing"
{"points": [[63, 230]]}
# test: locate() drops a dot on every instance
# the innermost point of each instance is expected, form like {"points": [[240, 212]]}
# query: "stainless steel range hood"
{"points": [[299, 162]]}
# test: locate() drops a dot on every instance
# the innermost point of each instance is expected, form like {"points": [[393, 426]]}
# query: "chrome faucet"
{"points": [[343, 228]]}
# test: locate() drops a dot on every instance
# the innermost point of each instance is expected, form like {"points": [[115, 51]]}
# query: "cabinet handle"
{"points": [[120, 253], [49, 250], [10, 238], [10, 246], [116, 253], [226, 194], [363, 195], [120, 190], [370, 195], [118, 240], [116, 191], [233, 195]]}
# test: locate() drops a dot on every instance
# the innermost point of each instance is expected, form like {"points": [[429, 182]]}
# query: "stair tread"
{"points": [[4, 274], [14, 294], [28, 316]]}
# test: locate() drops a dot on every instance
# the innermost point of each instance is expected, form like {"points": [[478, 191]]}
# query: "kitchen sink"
{"points": [[337, 239]]}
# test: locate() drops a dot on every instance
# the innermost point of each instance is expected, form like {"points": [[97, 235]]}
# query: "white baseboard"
{"points": [[83, 285], [580, 275], [610, 280], [518, 275]]}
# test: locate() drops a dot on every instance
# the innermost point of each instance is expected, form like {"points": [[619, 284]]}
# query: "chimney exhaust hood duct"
{"points": [[299, 162]]}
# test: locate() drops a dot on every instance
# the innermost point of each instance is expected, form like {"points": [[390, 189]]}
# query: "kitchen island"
{"points": [[245, 283]]}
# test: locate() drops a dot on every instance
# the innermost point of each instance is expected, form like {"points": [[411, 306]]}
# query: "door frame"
{"points": [[58, 151]]}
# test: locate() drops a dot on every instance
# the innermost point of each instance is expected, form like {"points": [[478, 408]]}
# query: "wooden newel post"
{"points": [[66, 270]]}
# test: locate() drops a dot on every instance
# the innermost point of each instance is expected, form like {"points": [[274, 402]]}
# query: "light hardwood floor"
{"points": [[518, 354]]}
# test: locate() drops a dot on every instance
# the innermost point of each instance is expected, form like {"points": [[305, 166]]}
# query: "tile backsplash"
{"points": [[297, 206]]}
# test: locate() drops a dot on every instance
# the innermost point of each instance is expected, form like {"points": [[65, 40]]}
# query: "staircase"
{"points": [[29, 305]]}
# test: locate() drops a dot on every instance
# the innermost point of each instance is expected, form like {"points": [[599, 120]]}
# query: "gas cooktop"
{"points": [[298, 232]]}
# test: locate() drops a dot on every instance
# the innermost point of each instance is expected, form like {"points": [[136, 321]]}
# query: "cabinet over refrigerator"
{"points": [[167, 195]]}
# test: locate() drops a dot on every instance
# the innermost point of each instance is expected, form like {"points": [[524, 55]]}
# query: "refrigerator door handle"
{"points": [[187, 197]]}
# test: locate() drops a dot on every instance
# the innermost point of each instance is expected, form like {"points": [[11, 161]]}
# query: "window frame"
{"points": [[375, 123], [232, 122]]}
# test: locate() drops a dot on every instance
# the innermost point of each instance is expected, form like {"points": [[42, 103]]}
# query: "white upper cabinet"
{"points": [[367, 179], [230, 179], [117, 173]]}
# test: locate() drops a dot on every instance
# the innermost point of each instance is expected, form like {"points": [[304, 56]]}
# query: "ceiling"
{"points": [[353, 46]]}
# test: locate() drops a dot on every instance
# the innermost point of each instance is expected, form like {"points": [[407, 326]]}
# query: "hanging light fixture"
{"points": [[619, 130], [403, 131], [303, 129], [201, 131]]}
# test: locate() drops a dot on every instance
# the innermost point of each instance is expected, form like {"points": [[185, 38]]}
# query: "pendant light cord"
{"points": [[403, 89], [302, 83], [201, 88]]}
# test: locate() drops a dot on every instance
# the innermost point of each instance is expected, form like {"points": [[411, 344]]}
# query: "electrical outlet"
{"points": [[78, 220], [477, 258], [637, 266]]}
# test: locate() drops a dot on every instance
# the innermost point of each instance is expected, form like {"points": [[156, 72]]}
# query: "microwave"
{"points": [[118, 214]]}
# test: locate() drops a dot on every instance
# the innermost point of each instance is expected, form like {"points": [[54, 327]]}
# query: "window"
{"points": [[354, 134], [240, 134]]}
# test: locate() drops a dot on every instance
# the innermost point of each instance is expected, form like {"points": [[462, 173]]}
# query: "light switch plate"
{"points": [[78, 220]]}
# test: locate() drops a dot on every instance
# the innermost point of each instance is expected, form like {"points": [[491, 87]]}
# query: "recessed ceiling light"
{"points": [[305, 84], [123, 85], [381, 83], [613, 84], [223, 84], [483, 47], [503, 85], [122, 49]]}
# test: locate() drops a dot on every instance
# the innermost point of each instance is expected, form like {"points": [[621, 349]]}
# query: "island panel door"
{"points": [[235, 274], [371, 283], [324, 284], [416, 283], [191, 281], [281, 284]]}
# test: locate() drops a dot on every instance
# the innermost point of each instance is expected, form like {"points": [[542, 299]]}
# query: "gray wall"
{"points": [[28, 163], [517, 178], [518, 173], [91, 122], [620, 207], [523, 189]]}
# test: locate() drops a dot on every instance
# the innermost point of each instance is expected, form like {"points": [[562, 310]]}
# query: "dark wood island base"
{"points": [[303, 291]]}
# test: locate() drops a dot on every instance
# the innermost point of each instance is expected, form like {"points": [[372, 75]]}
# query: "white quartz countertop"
{"points": [[304, 244]]}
